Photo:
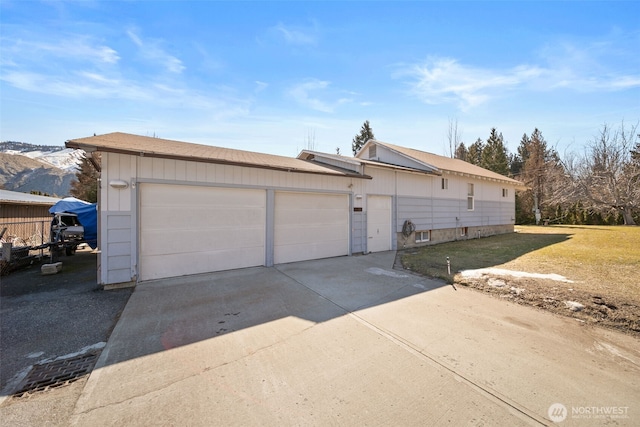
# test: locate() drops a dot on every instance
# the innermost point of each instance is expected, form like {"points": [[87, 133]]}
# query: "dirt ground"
{"points": [[609, 311]]}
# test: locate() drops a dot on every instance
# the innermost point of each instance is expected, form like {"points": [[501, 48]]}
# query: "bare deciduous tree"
{"points": [[607, 177], [453, 136], [310, 140]]}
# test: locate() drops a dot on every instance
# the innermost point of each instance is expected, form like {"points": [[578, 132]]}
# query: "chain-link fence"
{"points": [[27, 239], [26, 233]]}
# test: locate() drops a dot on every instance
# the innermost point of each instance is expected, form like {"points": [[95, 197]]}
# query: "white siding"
{"points": [[119, 256]]}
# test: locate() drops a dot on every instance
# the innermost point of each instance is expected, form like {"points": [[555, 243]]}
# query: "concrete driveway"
{"points": [[350, 341]]}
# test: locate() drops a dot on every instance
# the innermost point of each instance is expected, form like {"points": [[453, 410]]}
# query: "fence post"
{"points": [[6, 251]]}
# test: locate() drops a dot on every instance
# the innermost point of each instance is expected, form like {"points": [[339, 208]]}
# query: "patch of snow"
{"points": [[574, 306], [34, 355], [67, 159], [516, 291], [381, 272], [83, 350], [478, 273], [496, 283]]}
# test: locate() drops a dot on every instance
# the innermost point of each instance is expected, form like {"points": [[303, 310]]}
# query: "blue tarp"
{"points": [[87, 215]]}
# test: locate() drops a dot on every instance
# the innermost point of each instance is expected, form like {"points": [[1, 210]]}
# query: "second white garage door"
{"points": [[189, 229], [310, 226]]}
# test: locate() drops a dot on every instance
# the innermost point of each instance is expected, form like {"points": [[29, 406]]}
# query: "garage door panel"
{"points": [[181, 218], [312, 216], [224, 259], [206, 197], [192, 229], [310, 226], [196, 241], [293, 253], [313, 235]]}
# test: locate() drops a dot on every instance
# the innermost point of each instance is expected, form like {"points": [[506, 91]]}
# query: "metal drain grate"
{"points": [[57, 373]]}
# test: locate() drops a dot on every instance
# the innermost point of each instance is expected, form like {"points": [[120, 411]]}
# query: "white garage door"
{"points": [[378, 223], [310, 226], [189, 230]]}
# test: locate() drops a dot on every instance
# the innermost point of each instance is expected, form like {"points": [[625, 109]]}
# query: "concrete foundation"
{"points": [[454, 234]]}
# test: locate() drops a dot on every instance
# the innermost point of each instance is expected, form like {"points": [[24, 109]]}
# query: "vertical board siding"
{"points": [[358, 233], [116, 257]]}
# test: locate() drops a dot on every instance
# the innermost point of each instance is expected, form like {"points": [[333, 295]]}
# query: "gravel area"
{"points": [[46, 317]]}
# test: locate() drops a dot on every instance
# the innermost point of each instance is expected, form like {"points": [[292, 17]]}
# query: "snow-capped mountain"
{"points": [[63, 158], [47, 169]]}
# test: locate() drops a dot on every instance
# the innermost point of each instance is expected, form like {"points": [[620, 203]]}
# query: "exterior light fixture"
{"points": [[118, 184]]}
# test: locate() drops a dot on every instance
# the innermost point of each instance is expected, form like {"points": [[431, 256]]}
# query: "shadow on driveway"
{"points": [[170, 313]]}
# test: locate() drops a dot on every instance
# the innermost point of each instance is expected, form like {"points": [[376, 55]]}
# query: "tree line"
{"points": [[600, 185]]}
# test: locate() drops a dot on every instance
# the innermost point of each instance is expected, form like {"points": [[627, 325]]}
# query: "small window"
{"points": [[372, 151], [423, 236], [464, 231], [470, 191], [445, 183], [505, 192]]}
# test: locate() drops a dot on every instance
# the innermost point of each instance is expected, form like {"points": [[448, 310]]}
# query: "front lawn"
{"points": [[602, 264]]}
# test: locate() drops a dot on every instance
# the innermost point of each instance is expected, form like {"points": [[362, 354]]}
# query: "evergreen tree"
{"points": [[474, 154], [85, 187], [359, 140], [516, 161], [461, 152], [494, 154]]}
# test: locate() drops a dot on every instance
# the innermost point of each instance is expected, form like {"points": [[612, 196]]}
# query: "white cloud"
{"points": [[260, 86], [295, 35], [302, 94], [151, 50], [446, 80], [76, 48]]}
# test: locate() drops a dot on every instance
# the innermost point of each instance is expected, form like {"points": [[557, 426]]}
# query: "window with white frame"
{"points": [[445, 183], [505, 192], [464, 231], [470, 195], [423, 236]]}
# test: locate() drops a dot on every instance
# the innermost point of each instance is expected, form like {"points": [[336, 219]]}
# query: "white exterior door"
{"points": [[196, 229], [310, 226], [378, 223]]}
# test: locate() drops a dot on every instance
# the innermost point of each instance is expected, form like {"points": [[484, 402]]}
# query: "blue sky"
{"points": [[274, 76]]}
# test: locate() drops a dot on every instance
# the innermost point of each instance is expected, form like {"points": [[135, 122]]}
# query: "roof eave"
{"points": [[432, 168], [93, 148]]}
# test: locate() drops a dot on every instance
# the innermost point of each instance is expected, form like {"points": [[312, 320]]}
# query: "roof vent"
{"points": [[372, 151]]}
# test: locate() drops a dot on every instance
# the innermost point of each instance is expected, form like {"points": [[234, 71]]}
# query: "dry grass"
{"points": [[603, 263]]}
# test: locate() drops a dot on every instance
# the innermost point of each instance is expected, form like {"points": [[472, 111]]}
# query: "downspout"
{"points": [[394, 233]]}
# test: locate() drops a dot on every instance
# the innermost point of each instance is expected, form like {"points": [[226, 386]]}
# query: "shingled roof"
{"points": [[446, 163], [146, 146]]}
